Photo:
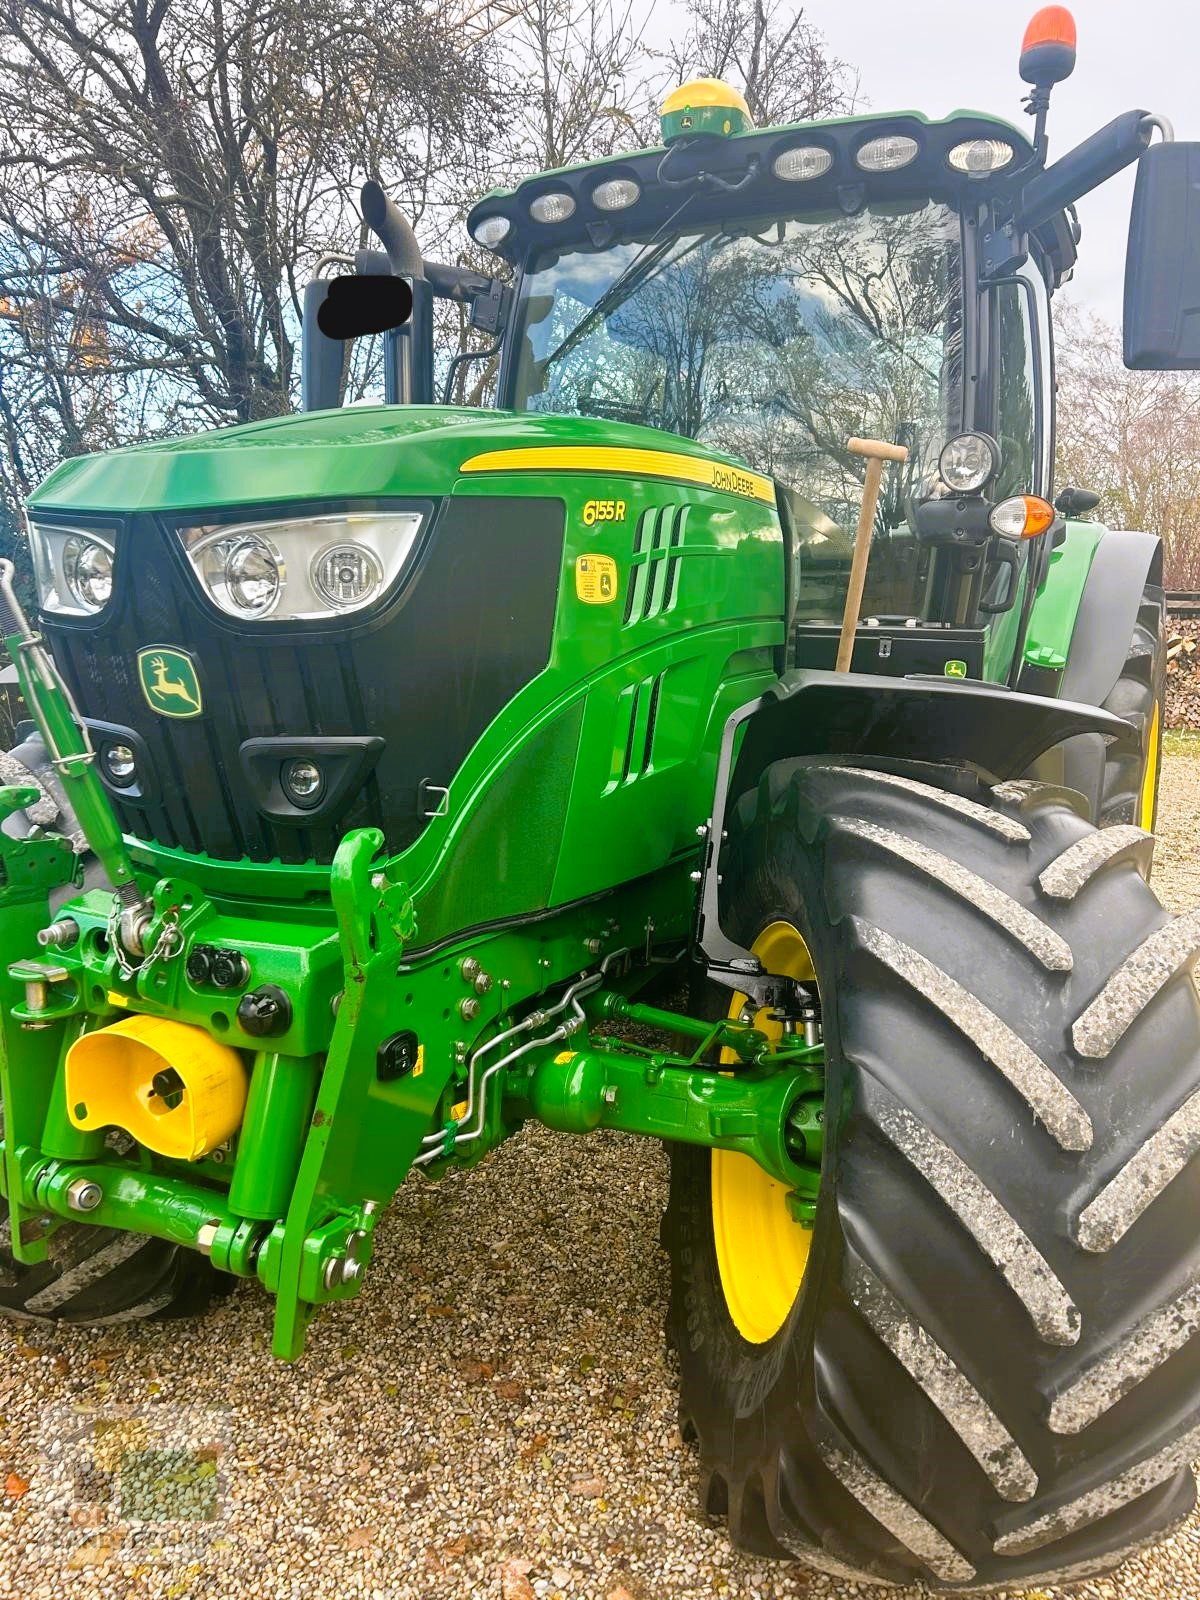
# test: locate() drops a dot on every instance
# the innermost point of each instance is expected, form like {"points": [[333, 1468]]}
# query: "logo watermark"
{"points": [[149, 1482]]}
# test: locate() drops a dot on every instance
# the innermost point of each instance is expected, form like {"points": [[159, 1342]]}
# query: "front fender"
{"points": [[942, 721], [1080, 632]]}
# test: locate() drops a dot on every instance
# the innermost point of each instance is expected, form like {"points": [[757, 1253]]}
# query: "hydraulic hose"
{"points": [[66, 738]]}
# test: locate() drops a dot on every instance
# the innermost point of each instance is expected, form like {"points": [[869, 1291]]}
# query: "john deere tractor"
{"points": [[728, 739]]}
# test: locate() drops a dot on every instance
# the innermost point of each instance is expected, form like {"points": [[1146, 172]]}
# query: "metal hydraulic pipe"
{"points": [[433, 1145], [433, 1142]]}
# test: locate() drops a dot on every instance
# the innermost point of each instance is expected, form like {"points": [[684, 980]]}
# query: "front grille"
{"points": [[470, 626]]}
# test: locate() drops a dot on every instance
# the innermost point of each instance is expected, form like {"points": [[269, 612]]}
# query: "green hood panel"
{"points": [[411, 451]]}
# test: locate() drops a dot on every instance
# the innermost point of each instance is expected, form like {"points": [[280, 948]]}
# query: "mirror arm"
{"points": [[461, 360], [1099, 157], [447, 283], [455, 283]]}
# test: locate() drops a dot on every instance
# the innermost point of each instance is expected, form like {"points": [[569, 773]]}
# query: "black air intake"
{"points": [[470, 625]]}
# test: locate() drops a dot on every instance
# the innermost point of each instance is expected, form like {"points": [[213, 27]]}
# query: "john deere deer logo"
{"points": [[169, 682]]}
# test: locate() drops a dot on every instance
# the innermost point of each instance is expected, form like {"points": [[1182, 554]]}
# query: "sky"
{"points": [[938, 56]]}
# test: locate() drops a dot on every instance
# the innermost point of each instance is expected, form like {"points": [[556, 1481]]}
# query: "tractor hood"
{"points": [[388, 701], [384, 700], [411, 451]]}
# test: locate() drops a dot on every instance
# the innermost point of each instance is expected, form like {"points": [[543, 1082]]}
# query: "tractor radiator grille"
{"points": [[469, 627]]}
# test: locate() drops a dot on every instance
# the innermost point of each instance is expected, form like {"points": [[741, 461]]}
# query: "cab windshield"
{"points": [[770, 339]]}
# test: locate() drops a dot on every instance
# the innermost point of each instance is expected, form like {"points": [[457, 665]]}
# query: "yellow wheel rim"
{"points": [[1150, 776], [762, 1251]]}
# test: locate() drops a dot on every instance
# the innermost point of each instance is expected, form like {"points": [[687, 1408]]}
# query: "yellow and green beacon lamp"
{"points": [[704, 106]]}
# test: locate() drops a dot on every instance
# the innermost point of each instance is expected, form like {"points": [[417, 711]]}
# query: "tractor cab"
{"points": [[767, 293]]}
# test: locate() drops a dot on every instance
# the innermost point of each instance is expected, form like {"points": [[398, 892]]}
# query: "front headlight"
{"points": [[74, 568], [301, 568], [242, 571]]}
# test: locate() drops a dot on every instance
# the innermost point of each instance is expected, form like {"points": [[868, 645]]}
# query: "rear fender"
{"points": [[1081, 626], [990, 730], [1086, 608]]}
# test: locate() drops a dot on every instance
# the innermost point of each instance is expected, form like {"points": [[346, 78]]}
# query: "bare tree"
{"points": [[577, 83], [776, 56], [580, 82], [172, 170], [169, 174], [1133, 437]]}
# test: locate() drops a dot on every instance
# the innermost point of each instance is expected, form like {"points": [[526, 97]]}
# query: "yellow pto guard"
{"points": [[169, 1085]]}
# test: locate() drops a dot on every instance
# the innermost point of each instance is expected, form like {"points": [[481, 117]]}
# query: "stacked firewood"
{"points": [[1183, 672]]}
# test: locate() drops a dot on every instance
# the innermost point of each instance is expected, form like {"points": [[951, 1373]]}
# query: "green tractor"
{"points": [[400, 775]]}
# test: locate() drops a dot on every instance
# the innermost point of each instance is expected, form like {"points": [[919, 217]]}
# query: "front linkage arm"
{"points": [[29, 870]]}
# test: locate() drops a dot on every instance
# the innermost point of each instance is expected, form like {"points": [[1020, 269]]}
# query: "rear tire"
{"points": [[985, 1378], [1129, 787]]}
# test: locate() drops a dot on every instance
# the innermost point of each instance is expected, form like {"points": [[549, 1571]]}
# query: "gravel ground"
{"points": [[494, 1417], [1177, 852]]}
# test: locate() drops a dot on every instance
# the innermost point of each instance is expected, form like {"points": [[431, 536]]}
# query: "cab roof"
{"points": [[666, 177]]}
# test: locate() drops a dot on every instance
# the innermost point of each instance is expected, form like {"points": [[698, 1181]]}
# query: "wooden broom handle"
{"points": [[877, 451]]}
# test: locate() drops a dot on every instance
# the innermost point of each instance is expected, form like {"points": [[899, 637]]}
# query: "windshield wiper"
{"points": [[638, 270], [635, 273]]}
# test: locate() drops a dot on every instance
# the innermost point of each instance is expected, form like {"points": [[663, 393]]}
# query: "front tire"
{"points": [[986, 1377], [94, 1277]]}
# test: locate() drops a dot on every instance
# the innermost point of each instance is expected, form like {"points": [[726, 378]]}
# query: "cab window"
{"points": [[1021, 378]]}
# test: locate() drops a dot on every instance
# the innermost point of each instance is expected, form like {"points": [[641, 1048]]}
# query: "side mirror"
{"points": [[1076, 502], [321, 358], [339, 310], [1162, 267]]}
